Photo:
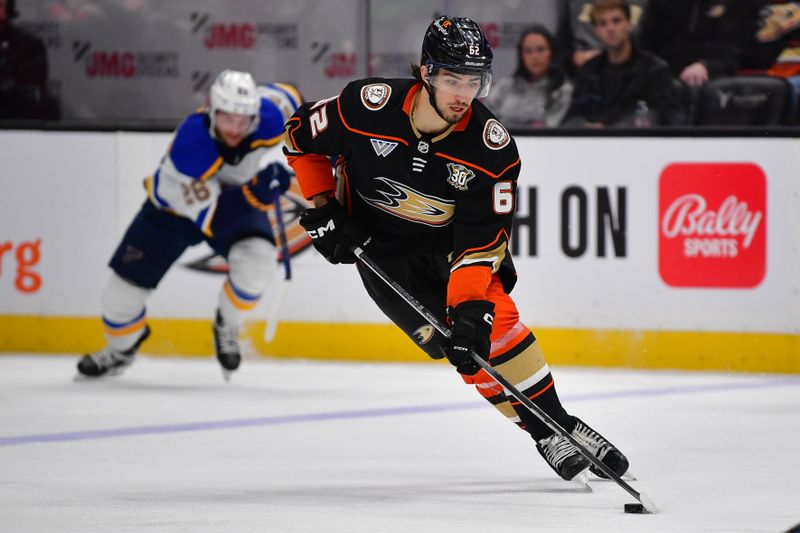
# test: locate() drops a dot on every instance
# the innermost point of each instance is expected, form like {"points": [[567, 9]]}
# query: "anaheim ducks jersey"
{"points": [[453, 192], [197, 167]]}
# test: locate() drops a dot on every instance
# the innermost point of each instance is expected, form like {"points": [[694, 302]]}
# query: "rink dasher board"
{"points": [[609, 274]]}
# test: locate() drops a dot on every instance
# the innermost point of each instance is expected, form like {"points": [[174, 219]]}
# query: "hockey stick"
{"points": [[647, 504], [275, 303]]}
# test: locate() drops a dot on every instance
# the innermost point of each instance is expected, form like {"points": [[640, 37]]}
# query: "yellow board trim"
{"points": [[719, 351]]}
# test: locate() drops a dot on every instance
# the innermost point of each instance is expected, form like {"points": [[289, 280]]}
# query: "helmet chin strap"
{"points": [[432, 99], [212, 127]]}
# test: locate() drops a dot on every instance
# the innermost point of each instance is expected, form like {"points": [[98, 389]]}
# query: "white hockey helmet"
{"points": [[235, 92]]}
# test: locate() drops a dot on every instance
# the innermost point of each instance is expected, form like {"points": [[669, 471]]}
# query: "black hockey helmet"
{"points": [[459, 45]]}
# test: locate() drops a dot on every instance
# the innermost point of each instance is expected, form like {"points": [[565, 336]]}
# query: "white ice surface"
{"points": [[342, 447]]}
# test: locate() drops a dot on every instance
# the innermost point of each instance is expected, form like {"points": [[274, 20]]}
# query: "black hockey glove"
{"points": [[333, 232], [472, 327], [273, 176]]}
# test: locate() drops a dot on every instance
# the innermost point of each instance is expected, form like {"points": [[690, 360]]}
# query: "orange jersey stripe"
{"points": [[493, 175], [499, 348], [291, 126], [345, 189], [500, 234], [313, 173], [409, 100], [535, 394], [366, 133], [484, 384]]}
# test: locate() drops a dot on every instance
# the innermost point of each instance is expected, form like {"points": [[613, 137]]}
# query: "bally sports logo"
{"points": [[712, 225]]}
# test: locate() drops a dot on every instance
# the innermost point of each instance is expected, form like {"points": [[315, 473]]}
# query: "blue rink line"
{"points": [[370, 413]]}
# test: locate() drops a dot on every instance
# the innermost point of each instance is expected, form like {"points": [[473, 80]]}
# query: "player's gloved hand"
{"points": [[333, 232], [273, 176], [472, 327]]}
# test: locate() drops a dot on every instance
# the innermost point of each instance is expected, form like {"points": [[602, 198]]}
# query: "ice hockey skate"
{"points": [[564, 458], [108, 361], [601, 448], [226, 342]]}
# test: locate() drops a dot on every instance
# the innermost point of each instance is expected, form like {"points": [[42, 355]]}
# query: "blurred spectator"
{"points": [[538, 93], [576, 42], [23, 69], [624, 85], [778, 40], [779, 19], [701, 39]]}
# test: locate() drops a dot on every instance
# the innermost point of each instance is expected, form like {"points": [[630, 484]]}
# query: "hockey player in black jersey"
{"points": [[425, 181]]}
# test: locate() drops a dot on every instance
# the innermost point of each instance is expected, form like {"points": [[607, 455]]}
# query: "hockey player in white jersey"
{"points": [[208, 187]]}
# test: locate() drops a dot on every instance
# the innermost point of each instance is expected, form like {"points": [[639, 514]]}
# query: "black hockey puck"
{"points": [[635, 508]]}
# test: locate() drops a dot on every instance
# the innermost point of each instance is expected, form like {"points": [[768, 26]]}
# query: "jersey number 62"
{"points": [[319, 118]]}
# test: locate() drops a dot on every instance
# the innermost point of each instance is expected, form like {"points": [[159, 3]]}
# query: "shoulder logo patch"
{"points": [[495, 135], [382, 148], [459, 176], [375, 95]]}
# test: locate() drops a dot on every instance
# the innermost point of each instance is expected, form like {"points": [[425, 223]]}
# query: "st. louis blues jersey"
{"points": [[453, 192], [197, 167]]}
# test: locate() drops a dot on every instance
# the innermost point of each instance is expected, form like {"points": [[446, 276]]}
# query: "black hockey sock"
{"points": [[547, 399]]}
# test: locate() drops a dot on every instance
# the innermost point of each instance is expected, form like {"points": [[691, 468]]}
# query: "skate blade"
{"points": [[78, 377], [627, 476], [582, 480], [227, 374]]}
